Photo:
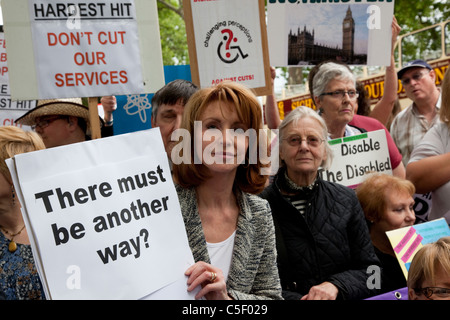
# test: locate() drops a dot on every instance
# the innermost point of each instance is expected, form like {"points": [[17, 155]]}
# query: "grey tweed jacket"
{"points": [[253, 272]]}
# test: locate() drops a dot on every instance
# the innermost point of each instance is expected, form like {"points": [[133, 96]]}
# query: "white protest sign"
{"points": [[305, 32], [10, 110], [355, 155], [61, 49], [3, 65], [227, 40], [104, 217]]}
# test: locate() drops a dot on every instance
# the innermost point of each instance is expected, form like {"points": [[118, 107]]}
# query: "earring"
{"points": [[13, 194]]}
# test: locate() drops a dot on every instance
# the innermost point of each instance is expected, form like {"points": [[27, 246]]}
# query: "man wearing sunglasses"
{"points": [[411, 124], [59, 121]]}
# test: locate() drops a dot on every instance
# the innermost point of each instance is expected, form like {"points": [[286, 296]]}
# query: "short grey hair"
{"points": [[326, 73], [304, 112]]}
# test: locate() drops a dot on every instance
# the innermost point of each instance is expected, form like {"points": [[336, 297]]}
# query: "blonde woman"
{"points": [[429, 273], [18, 278]]}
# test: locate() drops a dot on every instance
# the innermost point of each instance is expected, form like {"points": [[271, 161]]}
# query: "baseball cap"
{"points": [[413, 64]]}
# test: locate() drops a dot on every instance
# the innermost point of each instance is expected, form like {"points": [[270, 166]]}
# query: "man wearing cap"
{"points": [[411, 124], [58, 121]]}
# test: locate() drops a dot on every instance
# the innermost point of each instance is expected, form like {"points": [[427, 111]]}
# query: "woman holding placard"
{"points": [[323, 244], [230, 230], [18, 279]]}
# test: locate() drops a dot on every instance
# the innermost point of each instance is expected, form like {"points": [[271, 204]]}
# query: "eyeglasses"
{"points": [[44, 123], [352, 94], [428, 292], [311, 141], [416, 77]]}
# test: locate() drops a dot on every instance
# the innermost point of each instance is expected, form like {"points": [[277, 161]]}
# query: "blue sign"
{"points": [[134, 112]]}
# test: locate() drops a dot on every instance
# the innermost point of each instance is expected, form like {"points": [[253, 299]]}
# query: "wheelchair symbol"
{"points": [[225, 53]]}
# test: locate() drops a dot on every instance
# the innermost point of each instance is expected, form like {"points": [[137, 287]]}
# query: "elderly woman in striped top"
{"points": [[323, 244]]}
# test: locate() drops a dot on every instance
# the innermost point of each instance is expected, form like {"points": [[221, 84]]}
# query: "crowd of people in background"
{"points": [[295, 236]]}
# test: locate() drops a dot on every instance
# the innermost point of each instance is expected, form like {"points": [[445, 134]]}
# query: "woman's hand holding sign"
{"points": [[210, 278]]}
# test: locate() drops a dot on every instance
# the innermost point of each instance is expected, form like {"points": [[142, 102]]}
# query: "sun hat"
{"points": [[413, 64], [49, 107]]}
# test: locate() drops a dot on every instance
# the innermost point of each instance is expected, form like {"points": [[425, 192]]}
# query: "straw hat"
{"points": [[67, 107]]}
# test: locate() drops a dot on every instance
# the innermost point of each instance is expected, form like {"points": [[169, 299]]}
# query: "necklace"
{"points": [[12, 245]]}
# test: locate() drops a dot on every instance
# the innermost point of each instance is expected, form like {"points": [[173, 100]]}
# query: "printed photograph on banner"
{"points": [[333, 32], [303, 34]]}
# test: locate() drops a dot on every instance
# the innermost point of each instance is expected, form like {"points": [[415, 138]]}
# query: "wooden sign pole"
{"points": [[94, 118]]}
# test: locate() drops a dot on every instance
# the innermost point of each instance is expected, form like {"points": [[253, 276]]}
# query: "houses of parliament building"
{"points": [[303, 50]]}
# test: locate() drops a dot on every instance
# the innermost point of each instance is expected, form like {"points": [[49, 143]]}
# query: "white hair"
{"points": [[304, 112]]}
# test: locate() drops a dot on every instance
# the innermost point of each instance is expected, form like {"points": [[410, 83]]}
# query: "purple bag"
{"points": [[399, 294]]}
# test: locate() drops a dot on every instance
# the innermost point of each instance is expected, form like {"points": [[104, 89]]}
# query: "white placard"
{"points": [[10, 110], [85, 52], [60, 49], [355, 155], [230, 42], [104, 217]]}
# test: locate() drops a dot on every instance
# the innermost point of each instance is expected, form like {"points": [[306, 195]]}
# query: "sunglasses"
{"points": [[44, 123]]}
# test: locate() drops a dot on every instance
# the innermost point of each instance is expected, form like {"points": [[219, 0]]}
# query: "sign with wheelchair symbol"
{"points": [[227, 40], [228, 53]]}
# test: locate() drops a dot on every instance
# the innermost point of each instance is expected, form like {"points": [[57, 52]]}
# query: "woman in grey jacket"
{"points": [[230, 230]]}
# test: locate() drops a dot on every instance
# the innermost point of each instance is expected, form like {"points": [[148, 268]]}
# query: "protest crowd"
{"points": [[291, 235]]}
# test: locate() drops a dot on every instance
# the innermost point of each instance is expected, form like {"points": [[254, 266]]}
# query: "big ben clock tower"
{"points": [[348, 35]]}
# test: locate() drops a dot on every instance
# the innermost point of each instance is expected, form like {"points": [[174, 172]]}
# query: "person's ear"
{"points": [[317, 102], [412, 294]]}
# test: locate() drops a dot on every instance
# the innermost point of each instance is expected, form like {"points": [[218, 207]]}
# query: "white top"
{"points": [[436, 142], [221, 253]]}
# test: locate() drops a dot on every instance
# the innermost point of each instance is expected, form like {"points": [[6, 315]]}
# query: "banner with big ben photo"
{"points": [[356, 32], [227, 40]]}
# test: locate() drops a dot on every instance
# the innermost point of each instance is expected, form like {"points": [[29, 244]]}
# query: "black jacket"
{"points": [[331, 243]]}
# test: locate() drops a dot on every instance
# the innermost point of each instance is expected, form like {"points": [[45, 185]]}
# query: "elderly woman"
{"points": [[19, 279], [335, 95], [322, 238], [387, 202], [230, 229], [333, 87]]}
